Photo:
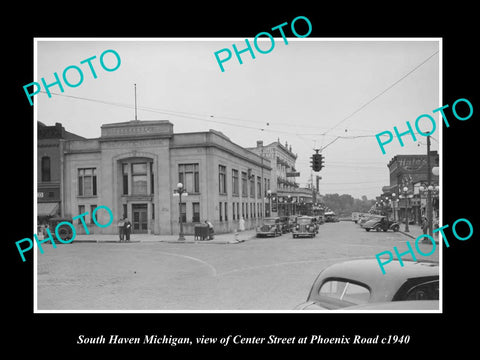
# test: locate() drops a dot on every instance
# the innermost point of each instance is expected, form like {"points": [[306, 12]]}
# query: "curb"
{"points": [[413, 237]]}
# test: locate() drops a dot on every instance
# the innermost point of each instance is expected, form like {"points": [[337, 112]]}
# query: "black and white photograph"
{"points": [[235, 189], [243, 183]]}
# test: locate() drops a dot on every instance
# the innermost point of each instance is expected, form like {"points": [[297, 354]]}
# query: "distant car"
{"points": [[381, 224], [331, 217], [365, 217], [271, 227], [305, 227], [361, 282]]}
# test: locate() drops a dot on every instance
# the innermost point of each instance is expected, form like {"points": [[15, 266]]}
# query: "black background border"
{"points": [[430, 333]]}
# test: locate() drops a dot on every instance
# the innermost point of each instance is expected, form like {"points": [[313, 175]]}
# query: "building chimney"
{"points": [[259, 143]]}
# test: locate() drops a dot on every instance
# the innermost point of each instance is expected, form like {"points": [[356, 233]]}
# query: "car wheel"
{"points": [[378, 228], [396, 228], [65, 232], [367, 229], [385, 230]]}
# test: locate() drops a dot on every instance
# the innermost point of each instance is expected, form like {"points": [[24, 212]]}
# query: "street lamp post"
{"points": [[393, 206], [179, 191], [269, 197], [430, 189], [406, 197]]}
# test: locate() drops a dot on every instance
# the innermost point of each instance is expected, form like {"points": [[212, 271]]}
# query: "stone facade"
{"points": [[134, 167]]}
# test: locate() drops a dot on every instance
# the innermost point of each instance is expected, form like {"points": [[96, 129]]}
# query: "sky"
{"points": [[305, 93]]}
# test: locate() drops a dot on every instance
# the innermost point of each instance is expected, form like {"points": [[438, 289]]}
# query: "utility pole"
{"points": [[429, 193], [135, 87]]}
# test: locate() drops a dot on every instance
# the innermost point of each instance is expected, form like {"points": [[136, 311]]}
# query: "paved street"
{"points": [[258, 274]]}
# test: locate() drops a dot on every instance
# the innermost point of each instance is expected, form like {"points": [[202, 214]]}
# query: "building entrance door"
{"points": [[140, 218]]}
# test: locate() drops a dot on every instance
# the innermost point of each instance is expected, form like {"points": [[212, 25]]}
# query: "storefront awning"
{"points": [[47, 209]]}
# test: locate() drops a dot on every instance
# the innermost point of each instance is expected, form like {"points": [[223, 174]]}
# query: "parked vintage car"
{"points": [[365, 217], [360, 282], [64, 231], [305, 226], [272, 226], [381, 223], [331, 217]]}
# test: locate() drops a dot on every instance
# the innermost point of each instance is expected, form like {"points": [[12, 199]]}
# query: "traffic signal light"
{"points": [[317, 162]]}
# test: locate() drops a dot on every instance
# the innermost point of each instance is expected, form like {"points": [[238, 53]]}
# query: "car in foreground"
{"points": [[271, 226], [381, 224], [399, 305], [305, 227], [360, 282]]}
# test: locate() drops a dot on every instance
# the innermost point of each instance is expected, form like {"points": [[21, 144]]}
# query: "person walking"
{"points": [[121, 229], [127, 229], [425, 225], [241, 224]]}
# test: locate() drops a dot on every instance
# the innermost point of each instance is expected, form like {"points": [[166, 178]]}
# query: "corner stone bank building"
{"points": [[134, 167]]}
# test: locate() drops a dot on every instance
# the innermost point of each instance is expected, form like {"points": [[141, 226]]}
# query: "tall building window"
{"points": [[222, 179], [45, 168], [252, 186], [196, 212], [235, 184], [183, 212], [244, 184], [259, 187], [188, 175], [92, 207], [125, 178], [87, 182], [152, 186], [238, 210], [81, 210], [124, 210], [139, 179], [226, 211], [220, 209], [233, 211]]}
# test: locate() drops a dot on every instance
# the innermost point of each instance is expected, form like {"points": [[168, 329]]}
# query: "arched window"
{"points": [[45, 168]]}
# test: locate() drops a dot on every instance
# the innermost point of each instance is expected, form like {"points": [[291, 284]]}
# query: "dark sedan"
{"points": [[360, 282], [271, 227]]}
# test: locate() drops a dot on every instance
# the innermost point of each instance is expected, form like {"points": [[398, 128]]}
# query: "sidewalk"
{"points": [[415, 231], [228, 238]]}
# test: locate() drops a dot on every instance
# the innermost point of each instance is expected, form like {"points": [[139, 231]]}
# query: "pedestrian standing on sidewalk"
{"points": [[241, 224], [127, 229], [121, 228], [425, 225]]}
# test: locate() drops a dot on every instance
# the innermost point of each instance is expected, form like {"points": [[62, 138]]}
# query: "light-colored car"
{"points": [[361, 282]]}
